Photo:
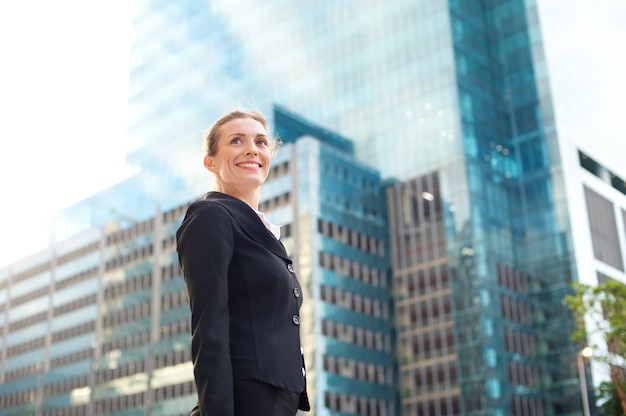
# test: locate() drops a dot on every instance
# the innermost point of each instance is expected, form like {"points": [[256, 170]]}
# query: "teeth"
{"points": [[249, 165]]}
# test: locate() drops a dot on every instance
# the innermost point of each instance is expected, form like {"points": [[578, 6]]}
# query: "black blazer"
{"points": [[244, 298]]}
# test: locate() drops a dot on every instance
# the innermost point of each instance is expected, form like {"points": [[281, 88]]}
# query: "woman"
{"points": [[243, 293]]}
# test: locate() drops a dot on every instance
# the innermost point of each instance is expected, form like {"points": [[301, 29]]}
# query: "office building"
{"points": [[99, 324], [467, 116]]}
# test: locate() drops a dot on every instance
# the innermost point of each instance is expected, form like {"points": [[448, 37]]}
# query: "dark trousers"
{"points": [[255, 398]]}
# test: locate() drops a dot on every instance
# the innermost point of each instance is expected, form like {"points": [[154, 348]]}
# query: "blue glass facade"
{"points": [[339, 245], [522, 258]]}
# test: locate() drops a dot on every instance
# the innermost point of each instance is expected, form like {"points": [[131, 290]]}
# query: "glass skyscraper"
{"points": [[444, 97], [422, 190]]}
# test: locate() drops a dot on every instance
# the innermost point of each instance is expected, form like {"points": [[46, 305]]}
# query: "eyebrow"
{"points": [[243, 134]]}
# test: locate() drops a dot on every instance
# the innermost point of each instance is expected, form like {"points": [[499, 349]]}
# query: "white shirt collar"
{"points": [[274, 229]]}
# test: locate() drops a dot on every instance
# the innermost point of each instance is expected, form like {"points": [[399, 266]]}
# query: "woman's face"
{"points": [[242, 160]]}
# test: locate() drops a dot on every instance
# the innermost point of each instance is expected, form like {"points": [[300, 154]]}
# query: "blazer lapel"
{"points": [[250, 222]]}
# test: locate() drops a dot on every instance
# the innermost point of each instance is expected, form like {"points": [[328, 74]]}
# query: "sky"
{"points": [[63, 110], [585, 47], [64, 76]]}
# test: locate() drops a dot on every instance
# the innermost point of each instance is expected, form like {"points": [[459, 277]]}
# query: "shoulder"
{"points": [[216, 204], [216, 211], [206, 215], [227, 201], [238, 209], [206, 207], [203, 216]]}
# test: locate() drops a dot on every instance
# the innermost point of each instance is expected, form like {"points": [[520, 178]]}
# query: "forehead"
{"points": [[248, 126]]}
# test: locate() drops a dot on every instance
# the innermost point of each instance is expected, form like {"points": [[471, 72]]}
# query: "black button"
{"points": [[296, 319], [296, 292], [290, 268]]}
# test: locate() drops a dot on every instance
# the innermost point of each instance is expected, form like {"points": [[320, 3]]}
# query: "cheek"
{"points": [[267, 159]]}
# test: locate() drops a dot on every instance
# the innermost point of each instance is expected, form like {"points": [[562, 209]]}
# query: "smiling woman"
{"points": [[243, 291], [63, 107]]}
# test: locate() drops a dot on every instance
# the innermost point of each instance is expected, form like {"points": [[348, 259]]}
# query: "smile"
{"points": [[249, 165]]}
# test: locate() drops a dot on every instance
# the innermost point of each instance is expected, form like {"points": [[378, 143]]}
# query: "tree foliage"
{"points": [[607, 394], [600, 312]]}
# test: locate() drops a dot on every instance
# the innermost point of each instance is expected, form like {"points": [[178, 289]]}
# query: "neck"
{"points": [[250, 197]]}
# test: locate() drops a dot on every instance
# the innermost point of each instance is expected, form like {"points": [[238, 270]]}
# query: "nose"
{"points": [[252, 150]]}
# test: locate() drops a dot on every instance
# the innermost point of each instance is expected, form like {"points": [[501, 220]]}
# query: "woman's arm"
{"points": [[205, 247]]}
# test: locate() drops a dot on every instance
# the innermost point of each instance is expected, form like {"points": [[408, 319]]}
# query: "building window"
{"points": [[604, 236]]}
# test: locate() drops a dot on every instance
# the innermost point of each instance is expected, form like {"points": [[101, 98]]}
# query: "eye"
{"points": [[235, 140], [261, 142]]}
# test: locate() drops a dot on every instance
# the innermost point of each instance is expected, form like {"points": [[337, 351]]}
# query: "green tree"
{"points": [[607, 394], [603, 308]]}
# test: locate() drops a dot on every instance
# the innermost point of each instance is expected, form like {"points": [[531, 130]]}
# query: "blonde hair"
{"points": [[211, 134]]}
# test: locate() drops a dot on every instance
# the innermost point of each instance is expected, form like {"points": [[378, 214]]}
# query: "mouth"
{"points": [[249, 165]]}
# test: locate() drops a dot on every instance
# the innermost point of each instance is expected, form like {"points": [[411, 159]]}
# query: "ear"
{"points": [[208, 163]]}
